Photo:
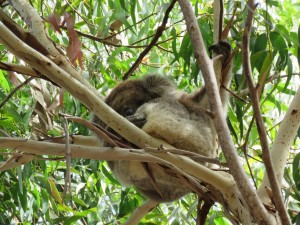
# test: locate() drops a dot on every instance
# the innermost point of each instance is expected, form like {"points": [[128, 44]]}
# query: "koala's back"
{"points": [[171, 121]]}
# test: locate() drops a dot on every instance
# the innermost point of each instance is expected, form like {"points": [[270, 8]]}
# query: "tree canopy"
{"points": [[58, 59]]}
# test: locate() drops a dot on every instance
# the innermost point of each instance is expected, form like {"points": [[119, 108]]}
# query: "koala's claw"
{"points": [[222, 48], [139, 121]]}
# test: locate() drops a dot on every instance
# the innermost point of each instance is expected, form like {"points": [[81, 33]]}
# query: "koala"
{"points": [[155, 105], [167, 119]]}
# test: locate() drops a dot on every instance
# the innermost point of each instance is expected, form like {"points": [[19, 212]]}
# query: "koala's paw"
{"points": [[138, 120], [222, 48]]}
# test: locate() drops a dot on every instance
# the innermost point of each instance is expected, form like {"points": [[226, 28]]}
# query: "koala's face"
{"points": [[128, 96]]}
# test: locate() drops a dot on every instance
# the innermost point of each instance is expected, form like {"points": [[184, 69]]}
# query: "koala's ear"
{"points": [[158, 85]]}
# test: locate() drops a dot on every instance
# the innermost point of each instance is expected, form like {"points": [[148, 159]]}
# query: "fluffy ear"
{"points": [[158, 85]]}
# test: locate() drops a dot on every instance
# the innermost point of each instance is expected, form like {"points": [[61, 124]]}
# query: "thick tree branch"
{"points": [[78, 89], [182, 165], [107, 153], [19, 69], [249, 194], [218, 24], [21, 33], [38, 30], [282, 143], [218, 19], [258, 118]]}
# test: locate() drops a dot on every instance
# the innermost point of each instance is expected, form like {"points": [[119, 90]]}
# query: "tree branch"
{"points": [[250, 196], [78, 89], [258, 118], [282, 143], [218, 19], [184, 166], [140, 212], [19, 69], [38, 30]]}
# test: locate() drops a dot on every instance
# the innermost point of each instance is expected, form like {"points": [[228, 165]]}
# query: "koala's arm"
{"points": [[199, 97]]}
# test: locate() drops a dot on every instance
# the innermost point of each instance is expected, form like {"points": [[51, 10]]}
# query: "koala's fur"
{"points": [[154, 104], [169, 120]]}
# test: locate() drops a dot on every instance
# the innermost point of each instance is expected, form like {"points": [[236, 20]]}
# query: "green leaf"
{"points": [[108, 175], [278, 41], [20, 179], [44, 197], [122, 2], [113, 56], [258, 58], [127, 204], [290, 73], [298, 55], [23, 199], [260, 43], [3, 83], [298, 219], [132, 10], [78, 215], [174, 44], [266, 66], [296, 170]]}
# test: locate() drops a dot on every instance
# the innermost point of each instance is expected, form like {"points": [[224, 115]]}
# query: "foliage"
{"points": [[113, 34]]}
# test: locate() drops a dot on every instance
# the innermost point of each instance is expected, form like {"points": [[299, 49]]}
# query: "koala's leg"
{"points": [[199, 97]]}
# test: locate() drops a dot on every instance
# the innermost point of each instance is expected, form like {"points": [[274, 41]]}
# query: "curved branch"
{"points": [[106, 153], [140, 212]]}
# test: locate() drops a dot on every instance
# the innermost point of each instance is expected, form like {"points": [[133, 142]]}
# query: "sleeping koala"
{"points": [[154, 104], [167, 119]]}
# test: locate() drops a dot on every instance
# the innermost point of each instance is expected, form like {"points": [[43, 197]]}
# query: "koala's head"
{"points": [[129, 95]]}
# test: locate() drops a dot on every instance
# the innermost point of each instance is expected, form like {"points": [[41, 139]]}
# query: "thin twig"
{"points": [[221, 16], [244, 149], [105, 135], [121, 31], [152, 35], [233, 94], [68, 161], [15, 90], [158, 34], [279, 204]]}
